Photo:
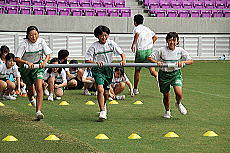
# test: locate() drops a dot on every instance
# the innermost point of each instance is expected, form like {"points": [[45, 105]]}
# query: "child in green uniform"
{"points": [[171, 76], [31, 51], [101, 52]]}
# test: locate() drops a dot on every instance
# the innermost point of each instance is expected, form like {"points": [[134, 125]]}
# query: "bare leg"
{"points": [[178, 93], [136, 78], [39, 98], [166, 101], [153, 72], [119, 88], [100, 97]]}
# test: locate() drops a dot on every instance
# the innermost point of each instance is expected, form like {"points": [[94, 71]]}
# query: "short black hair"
{"points": [[138, 19], [10, 56], [73, 62], [30, 28], [121, 69], [173, 35], [52, 61], [4, 49], [62, 54], [100, 29]]}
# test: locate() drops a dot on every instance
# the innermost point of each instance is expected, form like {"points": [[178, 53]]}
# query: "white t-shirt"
{"points": [[33, 52], [144, 41], [5, 73], [119, 80], [59, 77], [103, 52], [168, 56]]}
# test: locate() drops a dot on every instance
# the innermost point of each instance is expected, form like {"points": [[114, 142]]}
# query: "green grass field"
{"points": [[206, 94]]}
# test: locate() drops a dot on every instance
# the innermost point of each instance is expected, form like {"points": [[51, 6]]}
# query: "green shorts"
{"points": [[142, 57], [103, 76], [169, 78], [29, 76]]}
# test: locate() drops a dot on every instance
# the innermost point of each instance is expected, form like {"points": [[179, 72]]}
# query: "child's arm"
{"points": [[123, 59], [134, 49], [154, 38], [42, 65], [182, 63], [154, 61], [18, 81], [19, 60], [130, 88]]}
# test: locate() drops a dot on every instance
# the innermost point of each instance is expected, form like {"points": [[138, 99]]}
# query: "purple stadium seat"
{"points": [[228, 3], [25, 2], [160, 13], [2, 10], [220, 4], [119, 3], [38, 11], [176, 4], [113, 12], [206, 13], [96, 3], [165, 4], [25, 10], [89, 12], [64, 11], [62, 3], [38, 2], [12, 10], [125, 12], [146, 2], [13, 2], [209, 4], [76, 12], [217, 13], [187, 4], [198, 4], [195, 13], [50, 3], [51, 11], [172, 13], [2, 2], [101, 12], [154, 5], [183, 13], [73, 3], [108, 3], [85, 3], [226, 13]]}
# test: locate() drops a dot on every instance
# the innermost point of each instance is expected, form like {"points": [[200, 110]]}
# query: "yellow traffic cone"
{"points": [[171, 135], [52, 137], [29, 104], [210, 134], [138, 102], [64, 103], [101, 136], [90, 103], [113, 102], [10, 138], [1, 104], [134, 136]]}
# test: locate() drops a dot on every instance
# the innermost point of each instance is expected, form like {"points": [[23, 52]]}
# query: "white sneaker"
{"points": [[9, 97], [46, 92], [121, 97], [39, 116], [14, 95], [33, 102], [135, 91], [51, 98], [95, 94], [181, 108], [87, 93], [102, 116], [167, 114], [23, 90], [58, 98], [110, 98]]}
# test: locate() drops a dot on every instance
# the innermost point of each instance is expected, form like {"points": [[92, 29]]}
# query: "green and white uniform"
{"points": [[144, 44], [170, 75], [34, 53], [103, 53]]}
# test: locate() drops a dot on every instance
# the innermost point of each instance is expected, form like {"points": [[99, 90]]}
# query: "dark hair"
{"points": [[52, 61], [138, 19], [62, 54], [100, 29], [73, 62], [173, 35], [121, 69], [30, 28], [10, 56], [4, 49]]}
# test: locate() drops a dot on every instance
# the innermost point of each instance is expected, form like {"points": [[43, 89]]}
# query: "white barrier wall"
{"points": [[200, 46]]}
